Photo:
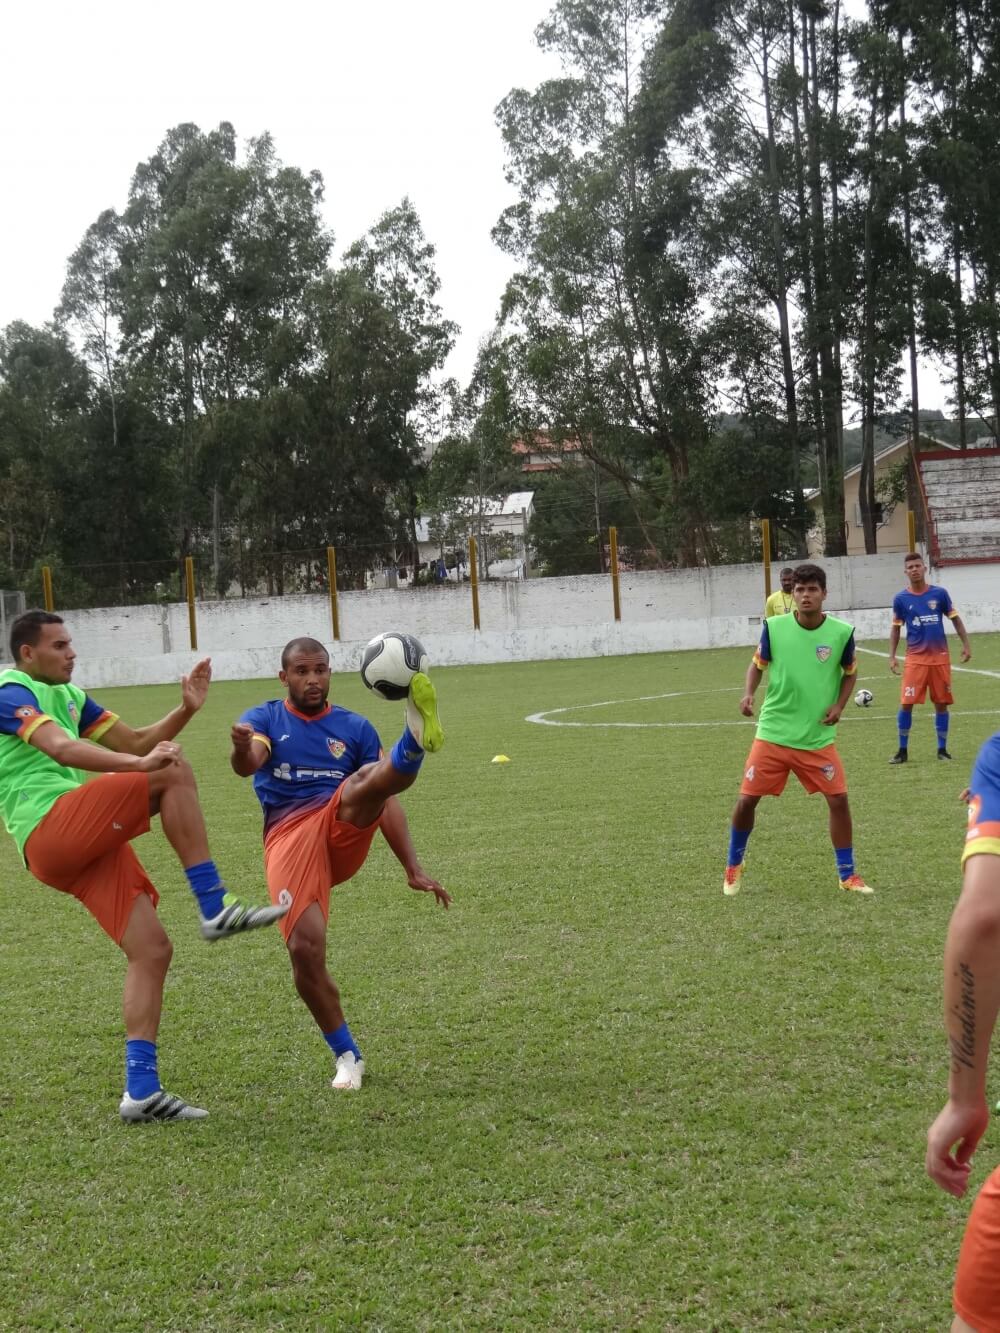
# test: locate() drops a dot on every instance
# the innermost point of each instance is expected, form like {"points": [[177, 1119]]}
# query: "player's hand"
{"points": [[965, 795], [966, 654], [958, 1127], [832, 715], [424, 884], [194, 686], [746, 705], [894, 665], [241, 736], [160, 756]]}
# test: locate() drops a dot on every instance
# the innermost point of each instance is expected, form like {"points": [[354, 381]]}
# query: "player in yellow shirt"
{"points": [[782, 603]]}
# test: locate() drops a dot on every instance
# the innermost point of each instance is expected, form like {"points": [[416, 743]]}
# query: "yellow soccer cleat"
{"points": [[731, 880], [422, 714], [855, 884]]}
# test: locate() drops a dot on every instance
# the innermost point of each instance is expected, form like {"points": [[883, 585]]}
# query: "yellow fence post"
{"points": [[331, 572], [765, 539], [189, 581], [615, 585], [474, 580], [47, 588], [911, 530]]}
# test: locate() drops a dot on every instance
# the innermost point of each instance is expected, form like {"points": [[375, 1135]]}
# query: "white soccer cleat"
{"points": [[350, 1072], [237, 917], [158, 1106]]}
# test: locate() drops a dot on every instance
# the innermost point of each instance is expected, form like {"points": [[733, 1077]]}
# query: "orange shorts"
{"points": [[768, 767], [977, 1282], [308, 853], [918, 677], [82, 847]]}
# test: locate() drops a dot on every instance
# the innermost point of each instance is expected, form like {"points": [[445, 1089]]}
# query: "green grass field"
{"points": [[600, 1094]]}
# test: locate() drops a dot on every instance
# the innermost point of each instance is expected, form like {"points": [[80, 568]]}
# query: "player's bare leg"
{"points": [[307, 951], [742, 824], [147, 947], [173, 795], [842, 837]]}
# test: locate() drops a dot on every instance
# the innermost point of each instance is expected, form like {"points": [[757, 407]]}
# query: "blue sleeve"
{"points": [[898, 610], [847, 656], [947, 606], [763, 654], [259, 718], [370, 746], [18, 709]]}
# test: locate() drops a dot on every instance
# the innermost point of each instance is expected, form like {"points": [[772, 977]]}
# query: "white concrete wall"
{"points": [[534, 620]]}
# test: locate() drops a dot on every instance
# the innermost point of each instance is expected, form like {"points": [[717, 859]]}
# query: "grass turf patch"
{"points": [[600, 1094]]}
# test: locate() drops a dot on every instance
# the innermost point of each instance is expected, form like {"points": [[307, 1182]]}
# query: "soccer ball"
{"points": [[864, 698], [390, 662]]}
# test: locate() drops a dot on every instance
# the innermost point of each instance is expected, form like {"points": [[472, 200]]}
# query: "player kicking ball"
{"points": [[75, 835], [326, 789], [810, 656]]}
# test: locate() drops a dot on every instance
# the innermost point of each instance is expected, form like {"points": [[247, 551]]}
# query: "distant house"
{"points": [[543, 454], [892, 529], [504, 527]]}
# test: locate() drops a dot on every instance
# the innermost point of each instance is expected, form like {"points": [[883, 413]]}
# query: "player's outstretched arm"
{"points": [[54, 742], [248, 753], [142, 740], [396, 832], [963, 634], [971, 1002]]}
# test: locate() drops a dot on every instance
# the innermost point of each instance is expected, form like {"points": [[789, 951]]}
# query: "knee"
{"points": [[178, 774], [839, 804], [307, 957], [155, 952]]}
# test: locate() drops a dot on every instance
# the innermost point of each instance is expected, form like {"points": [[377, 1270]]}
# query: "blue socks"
{"points": [[206, 887], [941, 727], [737, 846], [141, 1077], [904, 720], [845, 861], [341, 1041], [407, 755]]}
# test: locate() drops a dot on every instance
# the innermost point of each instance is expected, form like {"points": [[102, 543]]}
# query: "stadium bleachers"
{"points": [[961, 494]]}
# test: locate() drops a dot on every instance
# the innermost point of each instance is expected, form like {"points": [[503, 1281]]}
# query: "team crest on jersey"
{"points": [[828, 772], [933, 604], [26, 711], [823, 652], [975, 805], [72, 709], [336, 748]]}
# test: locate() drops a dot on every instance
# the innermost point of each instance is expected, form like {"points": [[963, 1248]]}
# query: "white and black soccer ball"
{"points": [[390, 662], [864, 698]]}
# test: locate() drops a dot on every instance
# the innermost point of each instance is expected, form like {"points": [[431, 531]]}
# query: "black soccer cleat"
{"points": [[900, 757], [943, 753]]}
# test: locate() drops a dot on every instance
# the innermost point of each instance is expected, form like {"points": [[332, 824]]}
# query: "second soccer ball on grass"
{"points": [[390, 662], [864, 698]]}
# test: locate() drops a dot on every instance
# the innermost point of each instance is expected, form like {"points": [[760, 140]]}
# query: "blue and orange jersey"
{"points": [[309, 756], [924, 614], [21, 714], [984, 802]]}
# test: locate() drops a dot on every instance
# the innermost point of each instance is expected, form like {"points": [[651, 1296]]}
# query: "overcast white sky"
{"points": [[386, 98]]}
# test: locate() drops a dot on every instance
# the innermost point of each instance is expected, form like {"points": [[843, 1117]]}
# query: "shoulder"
{"points": [[347, 720], [261, 714]]}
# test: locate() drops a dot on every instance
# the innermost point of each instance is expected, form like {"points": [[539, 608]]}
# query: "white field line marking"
{"points": [[547, 718], [969, 671]]}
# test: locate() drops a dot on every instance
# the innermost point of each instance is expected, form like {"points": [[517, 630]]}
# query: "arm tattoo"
{"points": [[962, 1039]]}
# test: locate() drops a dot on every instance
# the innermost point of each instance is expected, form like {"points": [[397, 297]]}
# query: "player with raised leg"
{"points": [[810, 656], [74, 835], [922, 608], [326, 789], [971, 1003]]}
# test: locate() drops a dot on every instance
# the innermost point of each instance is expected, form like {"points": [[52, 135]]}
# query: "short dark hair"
{"points": [[787, 570], [301, 645], [810, 574], [27, 630], [912, 555]]}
